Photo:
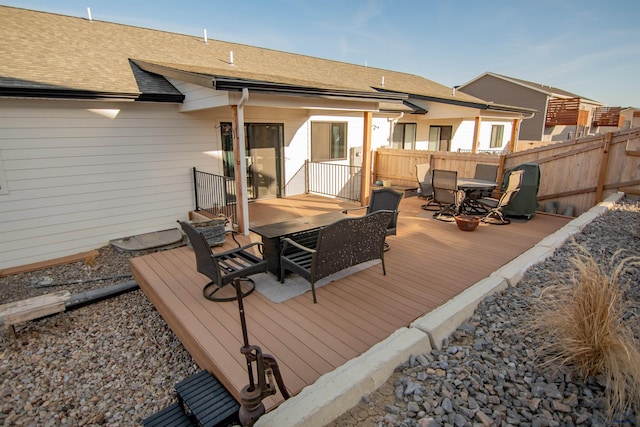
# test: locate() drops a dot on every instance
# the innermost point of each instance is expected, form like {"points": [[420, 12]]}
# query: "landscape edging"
{"points": [[337, 391]]}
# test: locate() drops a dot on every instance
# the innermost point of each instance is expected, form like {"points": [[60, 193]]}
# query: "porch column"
{"points": [[240, 172], [511, 147], [365, 186], [476, 135]]}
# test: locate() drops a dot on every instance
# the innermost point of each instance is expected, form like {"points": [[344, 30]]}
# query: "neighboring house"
{"points": [[630, 117], [611, 119], [560, 116], [102, 123]]}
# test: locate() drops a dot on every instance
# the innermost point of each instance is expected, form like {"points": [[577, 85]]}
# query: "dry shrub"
{"points": [[584, 328]]}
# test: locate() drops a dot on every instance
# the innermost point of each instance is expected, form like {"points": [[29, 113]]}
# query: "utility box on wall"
{"points": [[355, 156]]}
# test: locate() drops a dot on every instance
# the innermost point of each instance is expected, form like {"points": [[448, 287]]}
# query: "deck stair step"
{"points": [[207, 401], [171, 416], [202, 402]]}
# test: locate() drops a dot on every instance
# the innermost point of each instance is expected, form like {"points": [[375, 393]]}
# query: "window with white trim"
{"points": [[328, 141], [497, 133], [404, 136]]}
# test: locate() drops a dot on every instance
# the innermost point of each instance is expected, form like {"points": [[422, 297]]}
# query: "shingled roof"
{"points": [[549, 90], [47, 54]]}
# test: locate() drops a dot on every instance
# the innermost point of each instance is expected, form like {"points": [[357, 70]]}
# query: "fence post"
{"points": [[604, 165]]}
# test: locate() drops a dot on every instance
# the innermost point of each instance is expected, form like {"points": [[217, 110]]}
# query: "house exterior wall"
{"points": [[500, 91], [464, 135], [81, 173], [462, 130]]}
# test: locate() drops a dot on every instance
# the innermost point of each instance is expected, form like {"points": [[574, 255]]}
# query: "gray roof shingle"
{"points": [[44, 50]]}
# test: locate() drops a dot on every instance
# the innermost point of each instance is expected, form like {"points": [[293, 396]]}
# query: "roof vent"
{"points": [[89, 13], [453, 90], [382, 83], [205, 36], [230, 57]]}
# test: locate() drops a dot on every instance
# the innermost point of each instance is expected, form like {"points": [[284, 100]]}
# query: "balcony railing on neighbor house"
{"points": [[567, 112], [607, 116], [331, 179], [215, 194]]}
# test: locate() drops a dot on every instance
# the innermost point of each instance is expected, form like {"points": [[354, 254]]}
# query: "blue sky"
{"points": [[591, 48]]}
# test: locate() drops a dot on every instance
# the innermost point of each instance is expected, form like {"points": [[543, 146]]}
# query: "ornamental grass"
{"points": [[585, 328]]}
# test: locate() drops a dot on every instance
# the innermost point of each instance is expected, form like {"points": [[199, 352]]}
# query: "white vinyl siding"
{"points": [[80, 175]]}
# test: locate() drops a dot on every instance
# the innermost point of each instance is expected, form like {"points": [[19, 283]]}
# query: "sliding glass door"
{"points": [[263, 144]]}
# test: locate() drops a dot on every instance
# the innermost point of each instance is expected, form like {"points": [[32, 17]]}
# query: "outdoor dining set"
{"points": [[452, 197]]}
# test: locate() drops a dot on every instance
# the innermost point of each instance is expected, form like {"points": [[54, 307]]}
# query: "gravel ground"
{"points": [[115, 362], [487, 373], [110, 363]]}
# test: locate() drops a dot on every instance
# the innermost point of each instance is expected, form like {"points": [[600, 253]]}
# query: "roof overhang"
{"points": [[486, 106], [25, 92], [237, 84]]}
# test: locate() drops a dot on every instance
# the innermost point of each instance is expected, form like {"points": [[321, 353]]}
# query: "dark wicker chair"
{"points": [[384, 199], [223, 267], [495, 206], [446, 194], [338, 246]]}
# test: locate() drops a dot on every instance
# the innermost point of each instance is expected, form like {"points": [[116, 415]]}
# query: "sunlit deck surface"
{"points": [[429, 263]]}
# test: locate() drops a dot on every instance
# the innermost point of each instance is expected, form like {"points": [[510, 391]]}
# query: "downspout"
{"points": [[393, 121], [242, 155]]}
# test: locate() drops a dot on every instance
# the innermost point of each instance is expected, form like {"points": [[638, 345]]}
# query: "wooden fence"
{"points": [[578, 173]]}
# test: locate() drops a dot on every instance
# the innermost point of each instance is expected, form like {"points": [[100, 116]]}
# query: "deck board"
{"points": [[429, 263]]}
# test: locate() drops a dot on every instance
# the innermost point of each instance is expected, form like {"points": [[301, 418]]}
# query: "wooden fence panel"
{"points": [[399, 165], [572, 173]]}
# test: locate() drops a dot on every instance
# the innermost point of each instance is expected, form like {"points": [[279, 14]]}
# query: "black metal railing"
{"points": [[215, 194], [331, 179], [482, 150]]}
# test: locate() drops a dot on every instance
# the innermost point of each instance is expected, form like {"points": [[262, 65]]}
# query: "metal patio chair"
{"points": [[446, 194], [423, 176], [487, 173], [223, 267], [496, 206]]}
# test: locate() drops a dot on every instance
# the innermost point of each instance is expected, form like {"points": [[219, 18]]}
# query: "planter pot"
{"points": [[467, 222], [213, 230]]}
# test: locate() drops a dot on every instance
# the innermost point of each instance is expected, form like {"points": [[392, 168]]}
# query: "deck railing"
{"points": [[215, 194], [331, 179]]}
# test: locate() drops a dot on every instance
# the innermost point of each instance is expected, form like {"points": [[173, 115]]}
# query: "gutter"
{"points": [[87, 95], [471, 104], [238, 84]]}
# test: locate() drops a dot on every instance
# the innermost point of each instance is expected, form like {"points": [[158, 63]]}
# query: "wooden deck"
{"points": [[429, 263]]}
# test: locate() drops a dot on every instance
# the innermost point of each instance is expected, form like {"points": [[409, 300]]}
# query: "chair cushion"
{"points": [[489, 201]]}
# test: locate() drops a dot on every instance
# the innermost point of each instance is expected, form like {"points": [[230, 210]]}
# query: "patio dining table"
{"points": [[472, 188], [272, 234]]}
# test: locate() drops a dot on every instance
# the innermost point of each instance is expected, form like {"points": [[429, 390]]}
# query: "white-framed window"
{"points": [[404, 136], [497, 133], [328, 141], [440, 138]]}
